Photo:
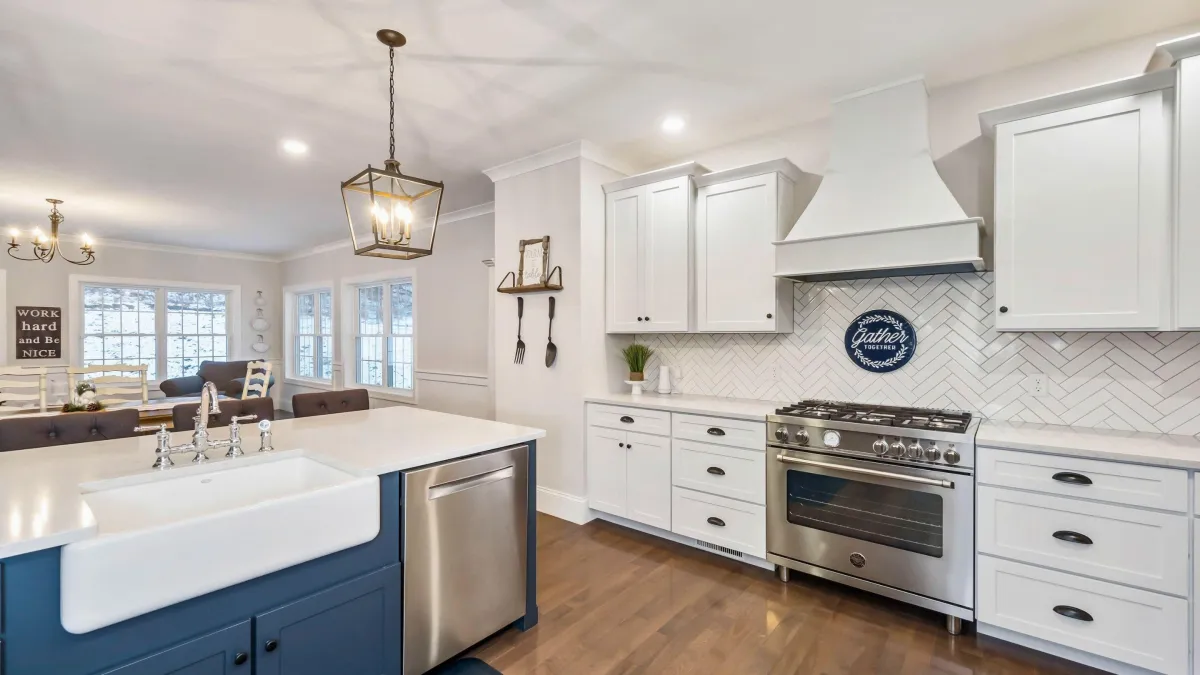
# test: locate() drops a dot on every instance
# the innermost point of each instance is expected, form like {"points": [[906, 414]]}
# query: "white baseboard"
{"points": [[562, 505], [1061, 651], [678, 539]]}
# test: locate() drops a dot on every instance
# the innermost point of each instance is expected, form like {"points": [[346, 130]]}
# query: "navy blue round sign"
{"points": [[881, 341]]}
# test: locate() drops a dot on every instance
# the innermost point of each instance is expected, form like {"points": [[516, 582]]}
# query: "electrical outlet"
{"points": [[1037, 384], [774, 373]]}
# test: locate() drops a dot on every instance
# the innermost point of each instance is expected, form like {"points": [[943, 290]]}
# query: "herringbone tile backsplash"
{"points": [[1131, 381]]}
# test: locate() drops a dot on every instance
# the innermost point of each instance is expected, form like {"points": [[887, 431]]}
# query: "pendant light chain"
{"points": [[392, 102]]}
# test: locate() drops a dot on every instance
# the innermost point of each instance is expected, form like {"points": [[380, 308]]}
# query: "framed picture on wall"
{"points": [[535, 262]]}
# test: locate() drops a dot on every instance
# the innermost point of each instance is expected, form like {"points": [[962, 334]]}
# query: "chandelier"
{"points": [[391, 215], [46, 248]]}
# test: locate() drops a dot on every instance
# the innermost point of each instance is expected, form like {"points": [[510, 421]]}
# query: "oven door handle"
{"points": [[869, 472]]}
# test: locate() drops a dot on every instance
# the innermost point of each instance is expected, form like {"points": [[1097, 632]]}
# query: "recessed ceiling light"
{"points": [[294, 147], [673, 124]]}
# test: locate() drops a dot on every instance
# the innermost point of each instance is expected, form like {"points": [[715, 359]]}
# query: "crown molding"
{"points": [[101, 243], [574, 150], [1181, 48], [448, 217]]}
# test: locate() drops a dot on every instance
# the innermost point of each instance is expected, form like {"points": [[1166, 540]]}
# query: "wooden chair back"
{"points": [[258, 379], [22, 389], [126, 383]]}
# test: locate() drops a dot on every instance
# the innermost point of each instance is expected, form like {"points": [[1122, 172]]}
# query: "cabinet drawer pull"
{"points": [[716, 431], [1072, 613], [271, 645], [713, 520], [716, 471], [1072, 478], [1073, 537], [240, 658], [626, 419]]}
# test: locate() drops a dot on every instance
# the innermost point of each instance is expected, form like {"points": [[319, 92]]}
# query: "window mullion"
{"points": [[160, 332], [387, 333]]}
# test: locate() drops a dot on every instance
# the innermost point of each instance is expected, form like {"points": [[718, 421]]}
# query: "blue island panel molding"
{"points": [[35, 642]]}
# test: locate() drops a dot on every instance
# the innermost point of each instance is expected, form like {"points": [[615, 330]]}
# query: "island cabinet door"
{"points": [[606, 462], [350, 629], [224, 652]]}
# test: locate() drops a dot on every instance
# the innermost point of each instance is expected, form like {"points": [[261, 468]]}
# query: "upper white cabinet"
{"points": [[1188, 191], [1083, 210], [738, 214], [649, 251]]}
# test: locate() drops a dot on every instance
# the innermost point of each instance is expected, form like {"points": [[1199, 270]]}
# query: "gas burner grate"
{"points": [[909, 418]]}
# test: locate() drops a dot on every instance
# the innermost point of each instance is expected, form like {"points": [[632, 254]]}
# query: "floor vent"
{"points": [[719, 549]]}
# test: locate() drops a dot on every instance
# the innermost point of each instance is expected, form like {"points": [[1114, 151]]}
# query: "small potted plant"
{"points": [[636, 356]]}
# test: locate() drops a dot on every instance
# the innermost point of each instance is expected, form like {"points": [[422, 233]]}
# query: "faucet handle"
{"points": [[162, 454], [242, 418], [264, 436]]}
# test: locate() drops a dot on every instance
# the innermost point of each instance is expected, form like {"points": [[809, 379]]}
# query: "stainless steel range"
{"points": [[876, 497]]}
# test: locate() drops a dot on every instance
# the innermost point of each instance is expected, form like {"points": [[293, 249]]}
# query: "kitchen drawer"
{"points": [[1130, 625], [717, 520], [1131, 484], [1129, 546], [640, 420], [731, 472], [738, 433]]}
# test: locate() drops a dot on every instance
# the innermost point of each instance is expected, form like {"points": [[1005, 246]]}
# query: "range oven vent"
{"points": [[719, 549]]}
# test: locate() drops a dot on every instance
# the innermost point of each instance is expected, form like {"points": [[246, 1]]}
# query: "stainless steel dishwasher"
{"points": [[464, 553]]}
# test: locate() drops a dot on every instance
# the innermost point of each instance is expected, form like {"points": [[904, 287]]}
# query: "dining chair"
{"points": [[258, 379], [22, 389], [128, 382]]}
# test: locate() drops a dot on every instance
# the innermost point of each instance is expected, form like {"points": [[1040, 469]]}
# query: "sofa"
{"points": [[183, 416], [229, 376], [21, 432]]}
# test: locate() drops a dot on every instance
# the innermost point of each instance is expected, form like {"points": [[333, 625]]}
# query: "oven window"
{"points": [[904, 519]]}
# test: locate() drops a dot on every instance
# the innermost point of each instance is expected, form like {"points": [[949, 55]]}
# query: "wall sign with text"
{"points": [[39, 332], [881, 341]]}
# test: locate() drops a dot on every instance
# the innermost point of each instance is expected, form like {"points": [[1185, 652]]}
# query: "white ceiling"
{"points": [[160, 121]]}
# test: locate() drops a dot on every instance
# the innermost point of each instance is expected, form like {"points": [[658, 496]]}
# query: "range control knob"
{"points": [[781, 434], [880, 447], [915, 451], [932, 454], [800, 437], [898, 448], [952, 456]]}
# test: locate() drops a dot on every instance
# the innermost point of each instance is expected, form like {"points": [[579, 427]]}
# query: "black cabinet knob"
{"points": [[1072, 478], [770, 316], [1003, 309], [647, 318], [628, 446], [639, 318], [271, 645], [240, 658], [620, 445], [716, 521]]}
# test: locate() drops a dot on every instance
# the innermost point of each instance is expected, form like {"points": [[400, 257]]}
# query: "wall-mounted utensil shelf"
{"points": [[548, 287]]}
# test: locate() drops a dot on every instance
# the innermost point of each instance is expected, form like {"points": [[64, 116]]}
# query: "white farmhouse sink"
{"points": [[194, 530]]}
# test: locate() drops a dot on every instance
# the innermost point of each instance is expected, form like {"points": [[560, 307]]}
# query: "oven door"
{"points": [[907, 527]]}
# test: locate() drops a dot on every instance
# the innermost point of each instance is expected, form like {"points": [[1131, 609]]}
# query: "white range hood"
{"points": [[882, 209]]}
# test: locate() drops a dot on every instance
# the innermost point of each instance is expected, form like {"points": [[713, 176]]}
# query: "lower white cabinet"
{"points": [[629, 475], [722, 470], [725, 522], [1145, 629]]}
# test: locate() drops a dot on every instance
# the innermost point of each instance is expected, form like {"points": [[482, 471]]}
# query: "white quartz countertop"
{"points": [[41, 503], [1182, 452], [735, 408]]}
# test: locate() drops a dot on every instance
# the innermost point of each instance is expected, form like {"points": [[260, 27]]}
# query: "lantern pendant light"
{"points": [[391, 215]]}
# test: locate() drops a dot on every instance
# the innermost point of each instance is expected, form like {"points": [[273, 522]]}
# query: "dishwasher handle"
{"points": [[454, 486]]}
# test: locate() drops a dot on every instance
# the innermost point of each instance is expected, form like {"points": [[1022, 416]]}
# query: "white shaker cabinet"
{"points": [[629, 473], [648, 222], [1083, 214], [739, 213], [1188, 190]]}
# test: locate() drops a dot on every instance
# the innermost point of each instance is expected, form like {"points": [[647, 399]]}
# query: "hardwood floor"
{"points": [[614, 600]]}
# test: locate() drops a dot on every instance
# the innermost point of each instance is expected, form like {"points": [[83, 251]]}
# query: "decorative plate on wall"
{"points": [[881, 341]]}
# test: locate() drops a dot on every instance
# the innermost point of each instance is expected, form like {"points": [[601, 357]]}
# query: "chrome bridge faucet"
{"points": [[200, 440]]}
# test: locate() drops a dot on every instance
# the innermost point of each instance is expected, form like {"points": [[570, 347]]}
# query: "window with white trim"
{"points": [[169, 330], [383, 340], [312, 334]]}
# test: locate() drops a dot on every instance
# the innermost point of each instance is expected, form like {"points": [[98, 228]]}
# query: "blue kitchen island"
{"points": [[340, 613]]}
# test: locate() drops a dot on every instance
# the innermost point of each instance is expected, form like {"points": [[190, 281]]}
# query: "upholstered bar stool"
{"points": [[21, 433], [330, 402], [183, 416]]}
